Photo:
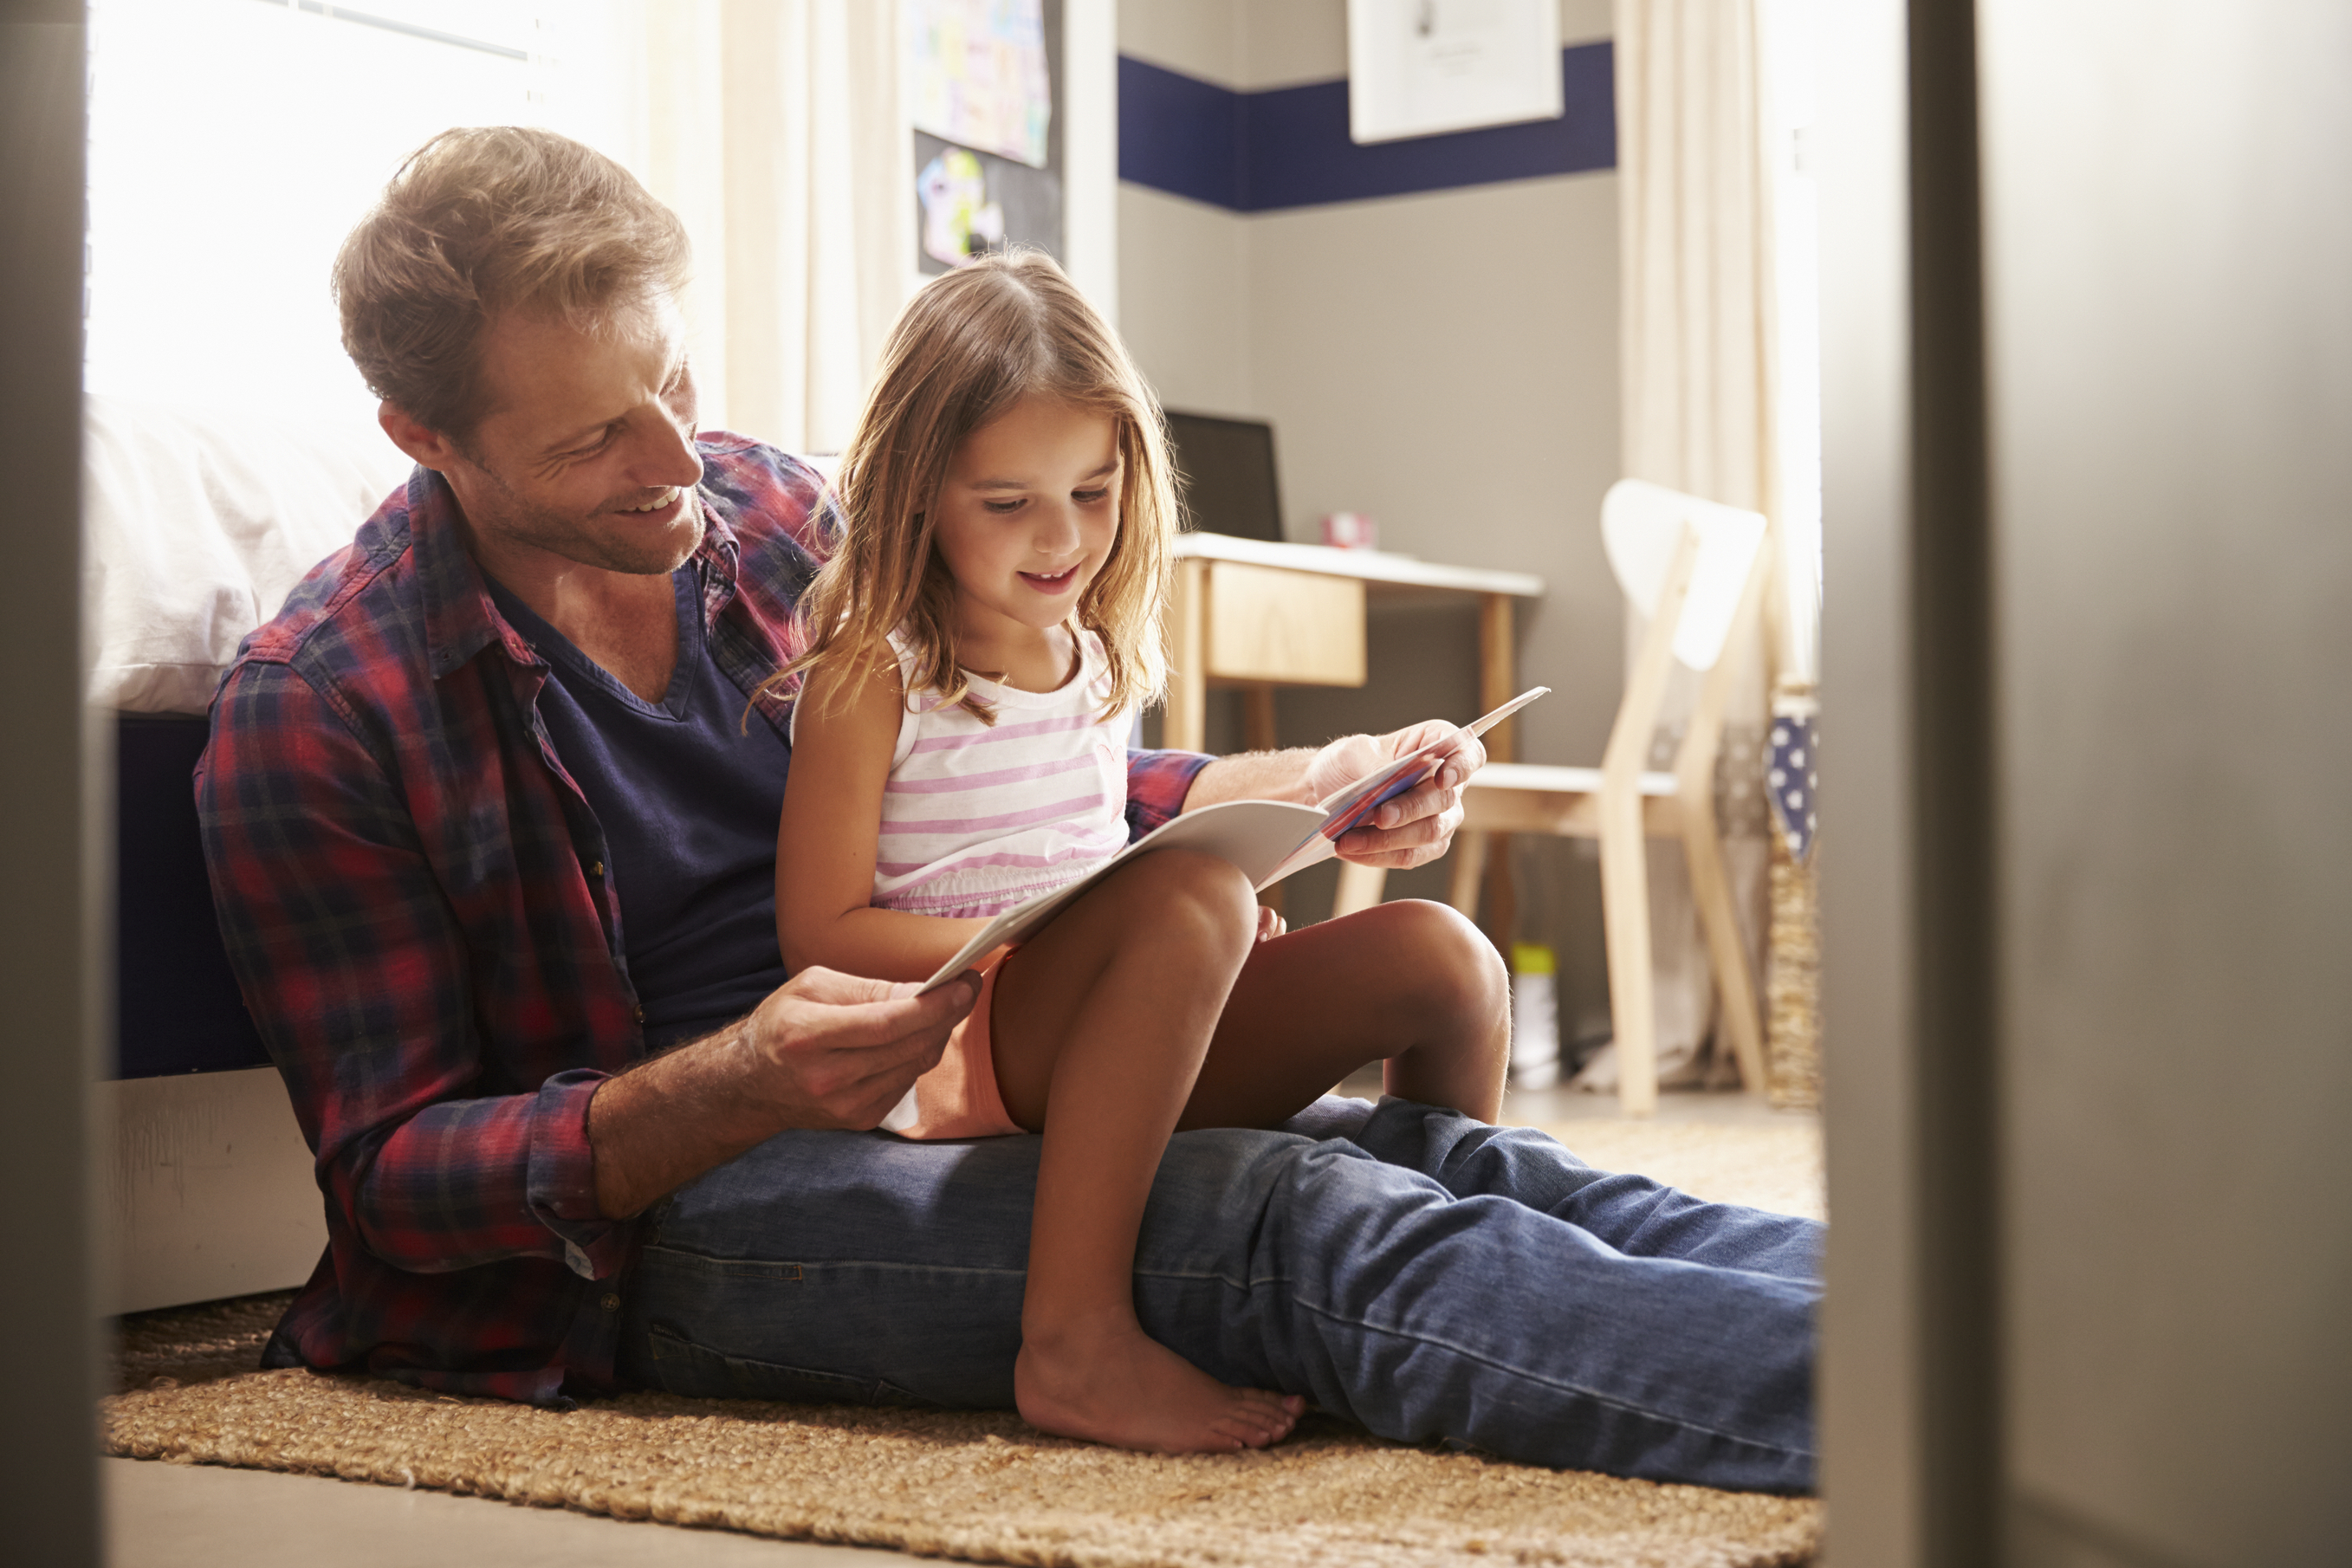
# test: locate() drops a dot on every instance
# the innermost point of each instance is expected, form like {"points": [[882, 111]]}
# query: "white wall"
{"points": [[1090, 149], [1446, 362]]}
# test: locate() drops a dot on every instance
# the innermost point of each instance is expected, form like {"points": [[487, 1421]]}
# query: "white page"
{"points": [[1265, 839], [1256, 835]]}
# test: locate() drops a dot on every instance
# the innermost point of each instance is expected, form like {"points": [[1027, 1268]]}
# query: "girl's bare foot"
{"points": [[1112, 1383]]}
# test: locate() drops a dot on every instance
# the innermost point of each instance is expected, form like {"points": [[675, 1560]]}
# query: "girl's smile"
{"points": [[1027, 516], [1053, 583]]}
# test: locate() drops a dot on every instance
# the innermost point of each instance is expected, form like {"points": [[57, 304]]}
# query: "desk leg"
{"points": [[1185, 727], [1498, 674], [1257, 719], [1502, 896], [1469, 868], [1497, 684]]}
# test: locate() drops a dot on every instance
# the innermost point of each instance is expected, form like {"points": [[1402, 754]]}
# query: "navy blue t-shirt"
{"points": [[689, 803]]}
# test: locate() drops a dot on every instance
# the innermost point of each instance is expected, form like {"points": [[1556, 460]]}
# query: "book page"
{"points": [[1265, 839], [1256, 835]]}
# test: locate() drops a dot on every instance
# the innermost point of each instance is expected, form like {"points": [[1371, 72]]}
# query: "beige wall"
{"points": [[1277, 43], [1183, 298], [1446, 362]]}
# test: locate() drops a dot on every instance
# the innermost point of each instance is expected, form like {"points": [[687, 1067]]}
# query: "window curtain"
{"points": [[773, 129], [1698, 346]]}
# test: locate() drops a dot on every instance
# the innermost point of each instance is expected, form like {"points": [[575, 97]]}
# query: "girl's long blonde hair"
{"points": [[970, 346]]}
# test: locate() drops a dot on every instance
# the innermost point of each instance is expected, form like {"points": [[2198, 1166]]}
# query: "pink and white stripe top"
{"points": [[979, 817]]}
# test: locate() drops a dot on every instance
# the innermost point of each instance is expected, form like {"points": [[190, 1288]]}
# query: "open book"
{"points": [[1267, 839]]}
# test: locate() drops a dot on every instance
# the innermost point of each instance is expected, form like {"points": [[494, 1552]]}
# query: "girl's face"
{"points": [[1027, 516]]}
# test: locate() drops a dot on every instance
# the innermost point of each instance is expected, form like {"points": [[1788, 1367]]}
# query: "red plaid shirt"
{"points": [[413, 893]]}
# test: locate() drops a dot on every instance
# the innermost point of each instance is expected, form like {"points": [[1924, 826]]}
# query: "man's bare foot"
{"points": [[1114, 1383]]}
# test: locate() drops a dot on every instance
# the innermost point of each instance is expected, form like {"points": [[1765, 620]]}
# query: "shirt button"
{"points": [[637, 1013], [596, 869], [610, 1303]]}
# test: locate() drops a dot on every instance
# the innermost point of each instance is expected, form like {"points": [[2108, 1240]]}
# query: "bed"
{"points": [[197, 523]]}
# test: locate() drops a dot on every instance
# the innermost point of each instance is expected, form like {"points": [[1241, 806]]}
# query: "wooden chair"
{"points": [[1698, 570]]}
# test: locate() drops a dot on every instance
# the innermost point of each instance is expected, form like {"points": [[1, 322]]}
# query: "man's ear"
{"points": [[429, 448]]}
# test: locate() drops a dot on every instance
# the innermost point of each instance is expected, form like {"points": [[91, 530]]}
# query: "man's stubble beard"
{"points": [[516, 520]]}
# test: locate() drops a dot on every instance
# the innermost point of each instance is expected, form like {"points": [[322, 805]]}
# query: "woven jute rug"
{"points": [[979, 1486]]}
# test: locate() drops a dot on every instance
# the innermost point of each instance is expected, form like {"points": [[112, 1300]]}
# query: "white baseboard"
{"points": [[208, 1191]]}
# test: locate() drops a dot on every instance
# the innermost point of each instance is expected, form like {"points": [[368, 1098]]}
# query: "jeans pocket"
{"points": [[681, 1366]]}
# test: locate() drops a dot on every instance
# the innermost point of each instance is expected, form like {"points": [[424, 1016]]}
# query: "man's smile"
{"points": [[663, 508]]}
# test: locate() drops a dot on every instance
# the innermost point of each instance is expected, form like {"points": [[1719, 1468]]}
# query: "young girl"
{"points": [[977, 647]]}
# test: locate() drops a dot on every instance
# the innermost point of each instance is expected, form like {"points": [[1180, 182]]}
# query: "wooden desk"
{"points": [[1255, 614]]}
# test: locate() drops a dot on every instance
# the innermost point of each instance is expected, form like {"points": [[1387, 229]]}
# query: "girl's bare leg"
{"points": [[1100, 1024], [1410, 982]]}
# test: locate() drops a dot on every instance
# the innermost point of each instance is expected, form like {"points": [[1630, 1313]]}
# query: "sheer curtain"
{"points": [[233, 145], [773, 129], [1700, 377]]}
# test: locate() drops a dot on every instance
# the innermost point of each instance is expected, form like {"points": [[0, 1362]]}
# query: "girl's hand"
{"points": [[1270, 924]]}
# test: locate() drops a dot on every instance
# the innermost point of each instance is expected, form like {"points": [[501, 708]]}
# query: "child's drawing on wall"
{"points": [[958, 220]]}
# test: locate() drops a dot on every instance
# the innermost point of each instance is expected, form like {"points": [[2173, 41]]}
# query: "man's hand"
{"points": [[833, 1050], [1418, 825], [824, 1050]]}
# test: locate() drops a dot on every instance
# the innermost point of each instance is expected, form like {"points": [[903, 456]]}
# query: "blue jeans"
{"points": [[1425, 1274]]}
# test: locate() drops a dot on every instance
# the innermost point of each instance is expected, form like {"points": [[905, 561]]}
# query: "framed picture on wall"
{"points": [[1422, 68], [984, 89]]}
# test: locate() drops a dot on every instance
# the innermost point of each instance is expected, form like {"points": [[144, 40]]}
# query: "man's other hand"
{"points": [[1418, 825], [836, 1051]]}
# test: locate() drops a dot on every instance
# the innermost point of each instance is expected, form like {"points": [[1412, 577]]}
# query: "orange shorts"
{"points": [[959, 1097]]}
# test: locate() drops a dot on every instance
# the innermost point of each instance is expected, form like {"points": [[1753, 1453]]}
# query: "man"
{"points": [[490, 821]]}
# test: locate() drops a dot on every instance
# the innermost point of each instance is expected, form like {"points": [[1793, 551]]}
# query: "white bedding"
{"points": [[197, 524]]}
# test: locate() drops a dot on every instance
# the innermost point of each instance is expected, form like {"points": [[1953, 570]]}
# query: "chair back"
{"points": [[1641, 524]]}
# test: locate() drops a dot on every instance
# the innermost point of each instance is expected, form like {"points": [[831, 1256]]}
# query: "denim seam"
{"points": [[750, 1268], [658, 1337], [753, 1267], [1581, 1391]]}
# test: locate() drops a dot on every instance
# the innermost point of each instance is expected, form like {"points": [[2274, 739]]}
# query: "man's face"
{"points": [[586, 453]]}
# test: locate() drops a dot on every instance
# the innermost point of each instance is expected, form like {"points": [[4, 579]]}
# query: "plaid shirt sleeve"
{"points": [[1157, 783], [359, 978]]}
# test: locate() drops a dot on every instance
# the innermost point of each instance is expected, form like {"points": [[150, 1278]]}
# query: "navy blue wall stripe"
{"points": [[1288, 147], [1180, 134]]}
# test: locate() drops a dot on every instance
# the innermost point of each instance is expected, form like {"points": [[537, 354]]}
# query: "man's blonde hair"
{"points": [[482, 221], [970, 346]]}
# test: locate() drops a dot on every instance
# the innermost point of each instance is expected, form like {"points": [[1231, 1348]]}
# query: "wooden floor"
{"points": [[199, 1516]]}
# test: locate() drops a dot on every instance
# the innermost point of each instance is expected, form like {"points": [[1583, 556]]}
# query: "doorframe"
{"points": [[56, 832], [1910, 1357]]}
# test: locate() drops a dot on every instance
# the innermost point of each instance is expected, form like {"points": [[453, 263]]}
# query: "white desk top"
{"points": [[1371, 565]]}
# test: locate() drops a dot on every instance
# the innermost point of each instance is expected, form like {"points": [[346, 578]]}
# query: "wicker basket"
{"points": [[1792, 982], [1792, 957]]}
